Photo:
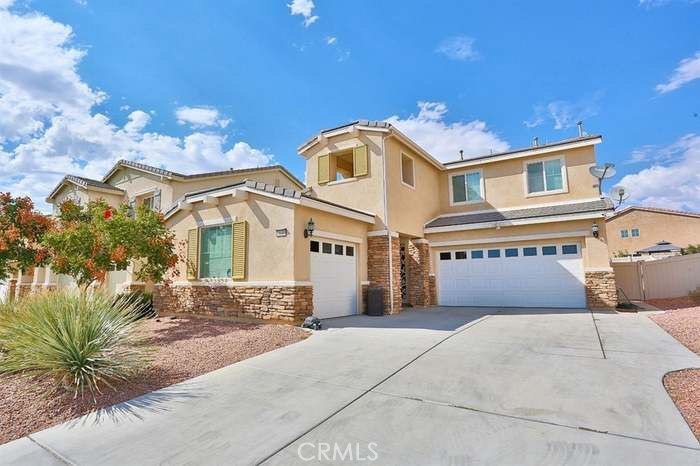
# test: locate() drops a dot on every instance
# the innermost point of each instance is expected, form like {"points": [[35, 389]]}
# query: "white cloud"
{"points": [[444, 140], [138, 120], [687, 70], [564, 114], [673, 181], [304, 8], [4, 4], [200, 117], [458, 48], [49, 126], [331, 40]]}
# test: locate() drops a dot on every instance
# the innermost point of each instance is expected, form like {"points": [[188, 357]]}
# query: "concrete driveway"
{"points": [[456, 386]]}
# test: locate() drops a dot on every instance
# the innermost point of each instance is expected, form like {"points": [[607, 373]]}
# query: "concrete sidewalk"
{"points": [[439, 386]]}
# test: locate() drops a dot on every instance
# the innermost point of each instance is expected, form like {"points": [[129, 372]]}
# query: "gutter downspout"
{"points": [[386, 221]]}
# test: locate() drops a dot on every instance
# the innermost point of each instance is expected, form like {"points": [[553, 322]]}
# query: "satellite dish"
{"points": [[619, 194], [606, 171]]}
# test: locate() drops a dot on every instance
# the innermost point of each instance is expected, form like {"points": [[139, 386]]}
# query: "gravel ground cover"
{"points": [[183, 348], [682, 321]]}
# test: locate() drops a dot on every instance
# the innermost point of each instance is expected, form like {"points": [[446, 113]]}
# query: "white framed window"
{"points": [[624, 233], [149, 202], [635, 232], [408, 176], [466, 187], [545, 176]]}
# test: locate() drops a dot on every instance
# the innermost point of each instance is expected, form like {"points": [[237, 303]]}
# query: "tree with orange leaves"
{"points": [[89, 241], [21, 231]]}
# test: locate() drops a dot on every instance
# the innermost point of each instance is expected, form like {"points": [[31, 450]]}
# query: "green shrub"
{"points": [[81, 340], [142, 300]]}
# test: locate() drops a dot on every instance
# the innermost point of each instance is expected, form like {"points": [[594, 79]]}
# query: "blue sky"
{"points": [[194, 86]]}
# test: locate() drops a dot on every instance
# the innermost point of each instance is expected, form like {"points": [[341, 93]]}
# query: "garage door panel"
{"points": [[530, 281], [334, 278]]}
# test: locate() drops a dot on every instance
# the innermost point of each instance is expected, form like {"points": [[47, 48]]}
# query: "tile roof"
{"points": [[263, 187], [655, 210], [82, 181], [171, 174], [524, 149], [530, 212]]}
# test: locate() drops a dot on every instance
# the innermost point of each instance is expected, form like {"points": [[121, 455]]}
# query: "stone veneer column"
{"points": [[378, 270], [288, 304], [418, 272], [432, 286], [24, 283], [601, 289]]}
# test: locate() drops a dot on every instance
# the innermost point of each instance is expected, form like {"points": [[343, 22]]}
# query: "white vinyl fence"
{"points": [[664, 278]]}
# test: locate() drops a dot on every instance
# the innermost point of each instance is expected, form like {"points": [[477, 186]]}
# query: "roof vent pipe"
{"points": [[535, 141], [461, 154], [580, 128]]}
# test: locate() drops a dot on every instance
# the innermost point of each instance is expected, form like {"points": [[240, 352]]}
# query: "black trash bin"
{"points": [[375, 301]]}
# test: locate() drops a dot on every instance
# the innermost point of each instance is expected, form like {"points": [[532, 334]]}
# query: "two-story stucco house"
{"points": [[519, 228]]}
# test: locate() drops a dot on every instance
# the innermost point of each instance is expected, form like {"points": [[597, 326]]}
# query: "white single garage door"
{"points": [[547, 275], [334, 277]]}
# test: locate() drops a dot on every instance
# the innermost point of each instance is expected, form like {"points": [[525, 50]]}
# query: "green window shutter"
{"points": [[324, 169], [193, 254], [359, 159], [239, 250]]}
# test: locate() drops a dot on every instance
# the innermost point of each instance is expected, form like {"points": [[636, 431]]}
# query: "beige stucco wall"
{"points": [[136, 181], [653, 227], [505, 182], [328, 223], [594, 250], [72, 192], [269, 258], [272, 258], [410, 208], [364, 193]]}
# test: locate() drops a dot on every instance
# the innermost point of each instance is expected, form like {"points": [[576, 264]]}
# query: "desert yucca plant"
{"points": [[82, 340]]}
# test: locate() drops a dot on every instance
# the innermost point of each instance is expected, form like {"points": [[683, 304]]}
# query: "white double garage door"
{"points": [[544, 275], [334, 277]]}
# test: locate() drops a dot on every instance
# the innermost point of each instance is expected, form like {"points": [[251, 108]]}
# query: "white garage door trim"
{"points": [[506, 276], [333, 267]]}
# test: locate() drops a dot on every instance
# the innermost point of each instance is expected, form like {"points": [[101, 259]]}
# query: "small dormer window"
{"points": [[343, 165]]}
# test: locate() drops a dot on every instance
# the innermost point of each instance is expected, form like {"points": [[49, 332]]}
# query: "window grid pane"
{"points": [[549, 250], [511, 252], [635, 232], [552, 170], [445, 256], [459, 193], [493, 253], [474, 186], [535, 178], [477, 254], [461, 255], [530, 251], [215, 252]]}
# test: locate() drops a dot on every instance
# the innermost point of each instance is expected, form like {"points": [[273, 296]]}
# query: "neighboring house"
{"points": [[634, 229], [518, 228], [136, 184], [660, 250]]}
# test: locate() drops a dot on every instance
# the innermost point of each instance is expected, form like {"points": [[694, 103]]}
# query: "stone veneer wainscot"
{"points": [[290, 304]]}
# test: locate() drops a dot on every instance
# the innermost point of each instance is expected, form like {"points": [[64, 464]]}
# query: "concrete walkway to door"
{"points": [[450, 386]]}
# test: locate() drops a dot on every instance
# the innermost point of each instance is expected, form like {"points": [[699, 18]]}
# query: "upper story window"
{"points": [[635, 232], [547, 176], [466, 188], [624, 233], [342, 165], [407, 171]]}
